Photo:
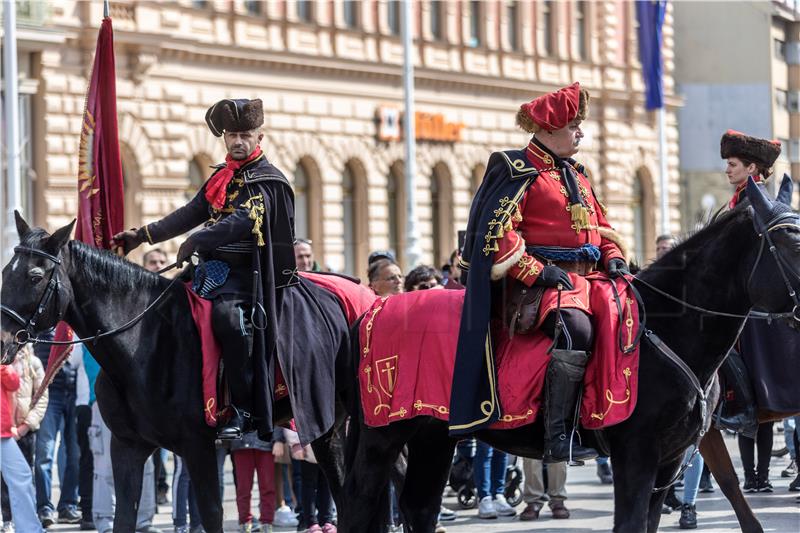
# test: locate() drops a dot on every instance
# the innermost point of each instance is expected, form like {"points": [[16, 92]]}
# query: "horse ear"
{"points": [[58, 239], [22, 227], [785, 192], [759, 200]]}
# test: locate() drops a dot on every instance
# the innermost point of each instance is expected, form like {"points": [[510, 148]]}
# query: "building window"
{"points": [[784, 155], [512, 24], [779, 48], [475, 24], [441, 214], [354, 220], [351, 14], [253, 7], [642, 204], [581, 25], [302, 226], [393, 16], [200, 4], [477, 176], [197, 177], [437, 19], [547, 27], [396, 212], [304, 10], [782, 99]]}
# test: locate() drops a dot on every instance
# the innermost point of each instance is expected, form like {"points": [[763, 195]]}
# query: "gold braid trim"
{"points": [[506, 213], [610, 396], [147, 234], [256, 206]]}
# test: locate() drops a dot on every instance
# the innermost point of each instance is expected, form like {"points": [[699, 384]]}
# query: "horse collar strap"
{"points": [[702, 396]]}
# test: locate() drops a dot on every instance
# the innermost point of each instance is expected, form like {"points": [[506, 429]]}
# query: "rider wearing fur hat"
{"points": [[246, 246], [535, 230]]}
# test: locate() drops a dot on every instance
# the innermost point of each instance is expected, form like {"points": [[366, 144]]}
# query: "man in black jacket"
{"points": [[247, 256]]}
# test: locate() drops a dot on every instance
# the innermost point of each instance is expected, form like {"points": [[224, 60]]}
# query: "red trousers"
{"points": [[246, 462]]}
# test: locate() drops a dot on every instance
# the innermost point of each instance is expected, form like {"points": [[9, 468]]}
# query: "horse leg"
{"points": [[127, 463], [366, 482], [635, 465], [665, 475], [329, 451], [716, 456], [430, 454], [201, 460]]}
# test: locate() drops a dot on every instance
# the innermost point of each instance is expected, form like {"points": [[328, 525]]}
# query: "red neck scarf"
{"points": [[217, 186], [737, 195]]}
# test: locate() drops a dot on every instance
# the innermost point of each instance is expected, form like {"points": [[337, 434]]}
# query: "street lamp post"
{"points": [[412, 252]]}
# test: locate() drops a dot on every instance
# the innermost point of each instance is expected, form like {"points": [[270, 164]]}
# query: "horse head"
{"points": [[774, 283], [35, 293]]}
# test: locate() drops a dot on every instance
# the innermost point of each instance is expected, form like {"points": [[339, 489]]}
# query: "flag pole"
{"points": [[662, 156], [105, 8], [412, 251], [13, 186]]}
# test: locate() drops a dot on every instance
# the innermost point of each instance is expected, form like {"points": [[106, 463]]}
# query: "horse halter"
{"points": [[783, 220], [24, 335]]}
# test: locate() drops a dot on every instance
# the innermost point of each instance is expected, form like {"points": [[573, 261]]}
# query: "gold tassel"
{"points": [[256, 215], [580, 216]]}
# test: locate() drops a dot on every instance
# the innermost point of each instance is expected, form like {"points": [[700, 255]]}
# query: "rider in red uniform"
{"points": [[535, 220]]}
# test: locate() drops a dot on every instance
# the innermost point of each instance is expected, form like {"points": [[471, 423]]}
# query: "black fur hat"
{"points": [[760, 151], [234, 115]]}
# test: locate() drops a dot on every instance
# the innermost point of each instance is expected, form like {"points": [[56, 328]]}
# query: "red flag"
{"points": [[100, 201]]}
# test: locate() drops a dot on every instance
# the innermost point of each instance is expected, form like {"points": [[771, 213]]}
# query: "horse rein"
{"points": [[25, 335]]}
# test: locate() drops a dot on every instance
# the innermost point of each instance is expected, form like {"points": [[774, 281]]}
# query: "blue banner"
{"points": [[650, 15]]}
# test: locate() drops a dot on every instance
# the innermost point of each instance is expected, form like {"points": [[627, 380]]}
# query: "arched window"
{"points": [[396, 211], [308, 204], [644, 229], [476, 178], [442, 214], [354, 219], [198, 172]]}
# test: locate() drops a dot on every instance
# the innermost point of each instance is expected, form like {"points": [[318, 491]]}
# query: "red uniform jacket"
{"points": [[543, 218]]}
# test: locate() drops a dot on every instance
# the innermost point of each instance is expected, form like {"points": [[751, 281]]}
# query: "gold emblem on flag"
{"points": [[86, 173]]}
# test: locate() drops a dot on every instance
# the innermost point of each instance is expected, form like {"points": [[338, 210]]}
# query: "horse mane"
{"points": [[100, 266], [717, 231]]}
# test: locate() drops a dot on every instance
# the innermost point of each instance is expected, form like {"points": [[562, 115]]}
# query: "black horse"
{"points": [[150, 387], [746, 258]]}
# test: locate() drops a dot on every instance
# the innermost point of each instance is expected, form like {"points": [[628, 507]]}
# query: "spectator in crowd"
{"points": [[535, 494], [489, 471], [304, 256], [423, 277], [154, 260], [86, 372], [604, 470], [14, 467], [59, 418], [664, 243], [254, 456], [385, 277], [691, 484], [316, 515], [26, 420], [757, 479], [183, 501], [454, 277], [789, 430]]}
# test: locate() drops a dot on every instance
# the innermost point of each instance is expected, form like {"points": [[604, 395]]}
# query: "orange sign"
{"points": [[429, 126]]}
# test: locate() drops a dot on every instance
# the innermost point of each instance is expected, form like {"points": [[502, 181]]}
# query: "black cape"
{"points": [[473, 400]]}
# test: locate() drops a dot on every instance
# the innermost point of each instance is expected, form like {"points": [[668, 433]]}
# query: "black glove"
{"points": [[552, 276], [130, 239], [184, 252], [617, 268]]}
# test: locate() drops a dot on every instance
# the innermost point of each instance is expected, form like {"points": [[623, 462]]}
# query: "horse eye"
{"points": [[36, 278]]}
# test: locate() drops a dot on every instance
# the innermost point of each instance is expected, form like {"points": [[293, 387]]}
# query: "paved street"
{"points": [[591, 505]]}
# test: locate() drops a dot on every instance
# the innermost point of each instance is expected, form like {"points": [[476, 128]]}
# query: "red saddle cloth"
{"points": [[354, 298], [408, 347]]}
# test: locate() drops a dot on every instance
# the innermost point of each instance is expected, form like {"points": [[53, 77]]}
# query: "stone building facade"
{"points": [[330, 73]]}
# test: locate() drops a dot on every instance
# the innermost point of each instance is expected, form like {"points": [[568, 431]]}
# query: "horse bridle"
{"points": [[26, 334]]}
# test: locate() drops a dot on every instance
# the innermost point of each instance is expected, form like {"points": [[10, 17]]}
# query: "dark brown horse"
{"points": [[697, 298]]}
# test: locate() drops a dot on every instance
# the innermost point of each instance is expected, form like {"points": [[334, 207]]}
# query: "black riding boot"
{"points": [[233, 330], [562, 387]]}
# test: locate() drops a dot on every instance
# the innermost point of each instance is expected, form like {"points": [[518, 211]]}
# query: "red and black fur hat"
{"points": [[235, 115], [759, 151]]}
